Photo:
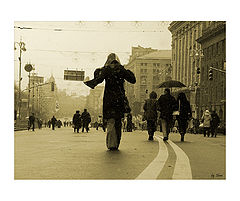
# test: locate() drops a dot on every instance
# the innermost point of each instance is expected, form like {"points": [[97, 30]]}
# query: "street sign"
{"points": [[74, 75]]}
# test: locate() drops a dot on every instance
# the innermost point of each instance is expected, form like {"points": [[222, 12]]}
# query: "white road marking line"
{"points": [[182, 168], [154, 168]]}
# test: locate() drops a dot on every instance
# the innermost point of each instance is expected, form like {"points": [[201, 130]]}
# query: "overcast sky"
{"points": [[55, 46]]}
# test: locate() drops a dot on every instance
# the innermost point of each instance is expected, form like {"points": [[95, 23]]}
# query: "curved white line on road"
{"points": [[154, 168], [182, 168]]}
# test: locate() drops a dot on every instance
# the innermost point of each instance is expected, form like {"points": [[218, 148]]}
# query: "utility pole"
{"points": [[21, 48], [28, 68]]}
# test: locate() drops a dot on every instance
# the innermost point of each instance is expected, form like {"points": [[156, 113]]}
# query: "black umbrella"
{"points": [[171, 83]]}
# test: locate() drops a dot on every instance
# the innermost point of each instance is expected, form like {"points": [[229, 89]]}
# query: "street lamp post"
{"points": [[197, 55], [21, 48]]}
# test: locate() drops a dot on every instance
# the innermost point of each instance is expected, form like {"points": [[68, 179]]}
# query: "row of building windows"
{"points": [[214, 49], [153, 70], [154, 64]]}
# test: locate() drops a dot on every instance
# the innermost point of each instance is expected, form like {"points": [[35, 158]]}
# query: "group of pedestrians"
{"points": [[53, 122], [116, 105], [31, 122], [210, 122], [169, 108], [81, 121]]}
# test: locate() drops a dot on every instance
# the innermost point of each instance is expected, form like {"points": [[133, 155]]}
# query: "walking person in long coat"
{"points": [[86, 119], [206, 119], [129, 122], [214, 123], [77, 121], [166, 105], [150, 112], [185, 114], [115, 103], [53, 122], [31, 122]]}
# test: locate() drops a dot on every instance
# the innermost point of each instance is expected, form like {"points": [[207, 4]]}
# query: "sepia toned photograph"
{"points": [[119, 100]]}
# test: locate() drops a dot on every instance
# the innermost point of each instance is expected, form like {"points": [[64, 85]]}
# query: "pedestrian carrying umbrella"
{"points": [[171, 84]]}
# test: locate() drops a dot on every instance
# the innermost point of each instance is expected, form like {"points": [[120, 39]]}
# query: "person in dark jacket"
{"points": [[166, 105], [31, 122], [53, 122], [185, 114], [129, 122], [86, 119], [150, 112], [77, 121], [59, 123], [115, 102], [214, 123]]}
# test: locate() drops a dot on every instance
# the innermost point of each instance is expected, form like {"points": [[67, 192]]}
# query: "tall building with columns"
{"points": [[187, 57], [197, 46], [213, 92], [151, 67]]}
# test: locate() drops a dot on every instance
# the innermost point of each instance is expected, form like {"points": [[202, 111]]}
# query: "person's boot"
{"points": [[150, 138], [165, 138]]}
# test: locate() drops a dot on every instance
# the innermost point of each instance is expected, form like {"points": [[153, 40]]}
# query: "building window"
{"points": [[145, 64], [141, 64], [143, 80]]}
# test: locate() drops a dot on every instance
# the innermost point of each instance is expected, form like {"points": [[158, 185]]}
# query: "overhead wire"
{"points": [[83, 30]]}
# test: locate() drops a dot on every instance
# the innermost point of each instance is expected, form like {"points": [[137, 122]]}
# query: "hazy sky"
{"points": [[55, 46]]}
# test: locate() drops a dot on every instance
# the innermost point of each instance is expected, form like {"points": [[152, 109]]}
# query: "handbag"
{"points": [[175, 113]]}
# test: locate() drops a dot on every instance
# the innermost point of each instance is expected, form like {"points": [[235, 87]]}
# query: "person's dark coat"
{"points": [[31, 119], [86, 118], [53, 121], [215, 120], [115, 103], [77, 120], [184, 108], [150, 108], [166, 105]]}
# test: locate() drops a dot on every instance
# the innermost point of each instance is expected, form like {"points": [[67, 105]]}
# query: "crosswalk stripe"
{"points": [[182, 168], [154, 168]]}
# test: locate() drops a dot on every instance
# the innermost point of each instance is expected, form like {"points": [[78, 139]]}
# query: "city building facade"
{"points": [[213, 92], [151, 67], [186, 59], [197, 46]]}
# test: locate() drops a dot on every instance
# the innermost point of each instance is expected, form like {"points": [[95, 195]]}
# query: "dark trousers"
{"points": [[76, 128], [85, 125], [151, 126], [31, 124], [182, 126], [206, 131], [214, 131], [53, 126]]}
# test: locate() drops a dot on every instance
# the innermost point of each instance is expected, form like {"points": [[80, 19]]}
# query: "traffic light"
{"points": [[210, 76], [198, 70], [52, 86]]}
